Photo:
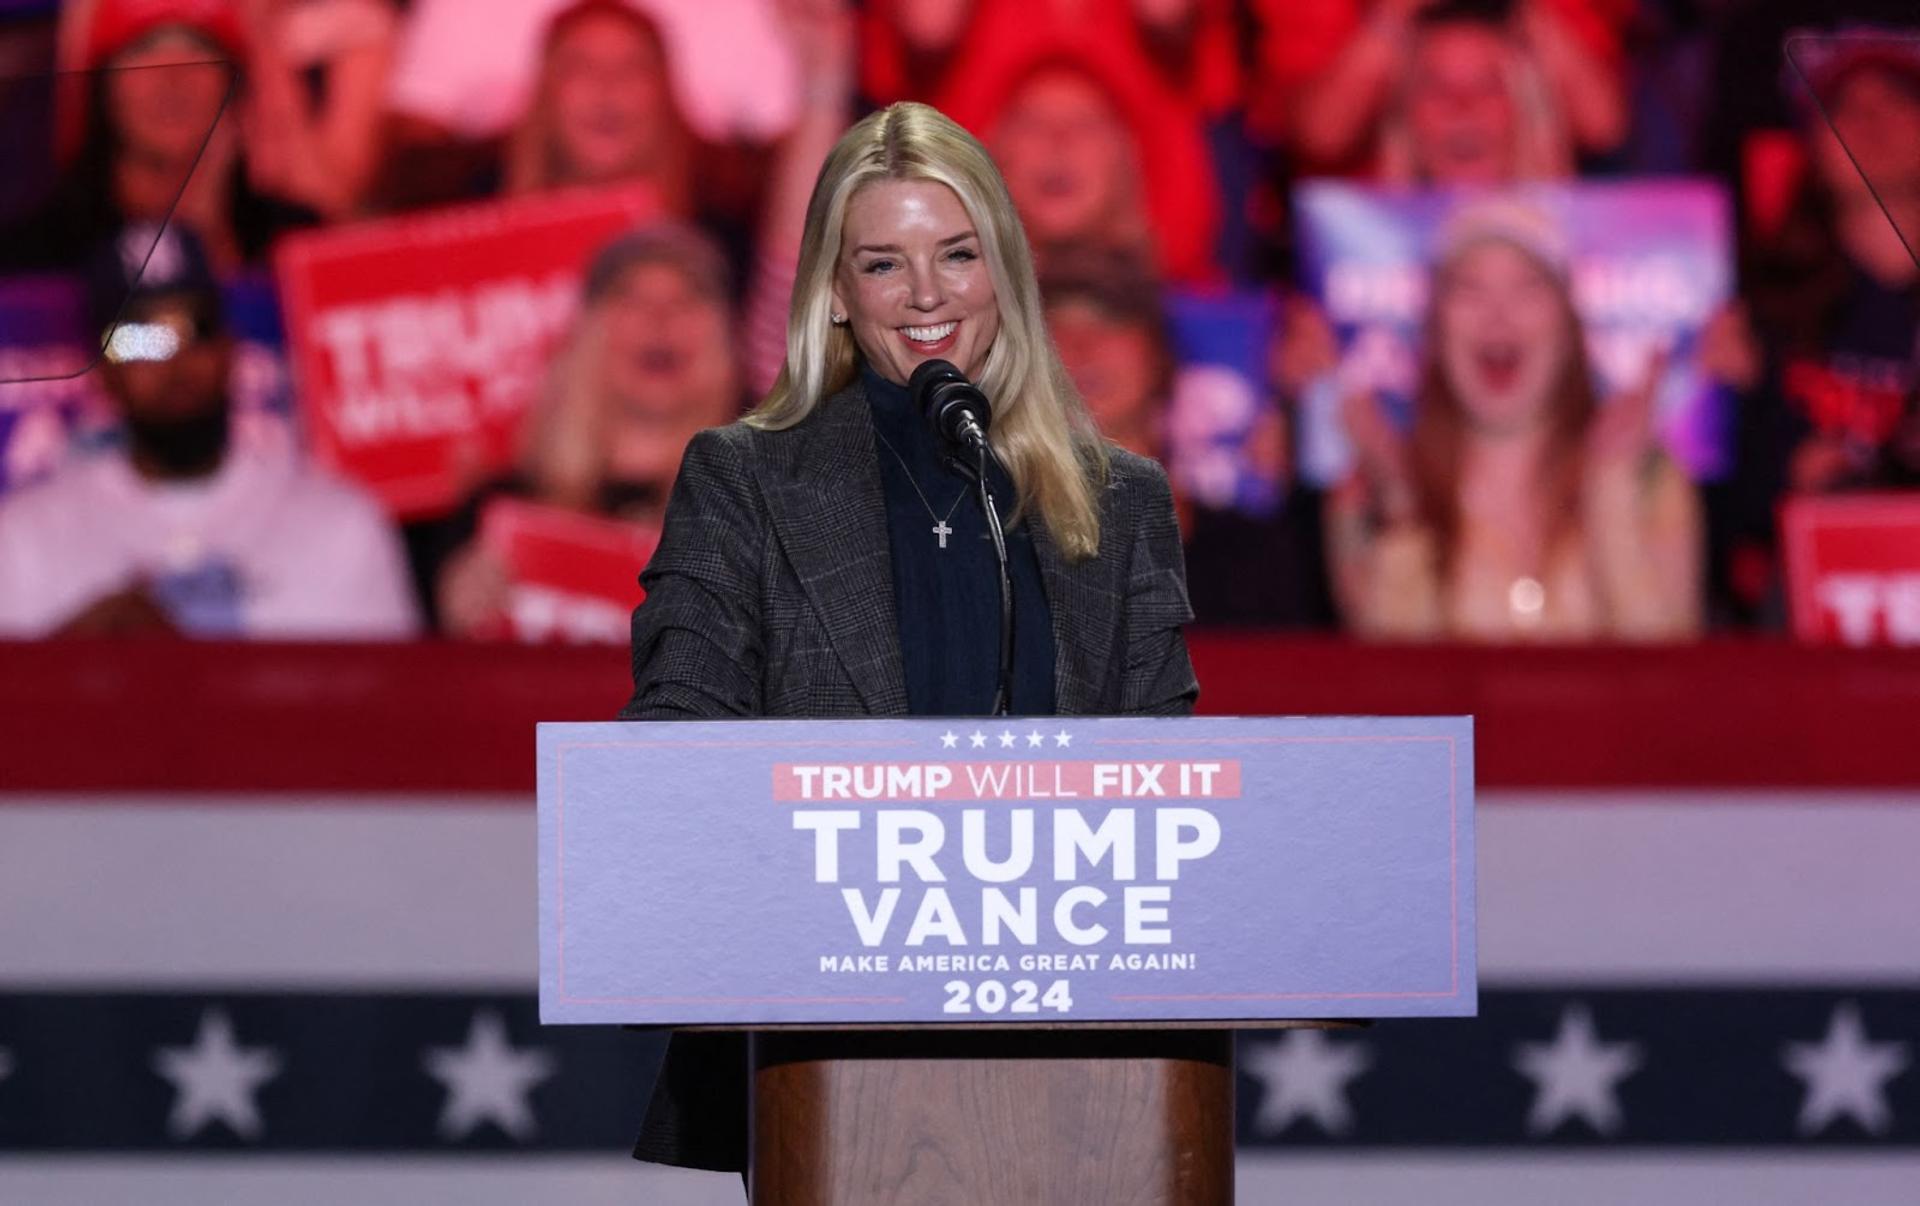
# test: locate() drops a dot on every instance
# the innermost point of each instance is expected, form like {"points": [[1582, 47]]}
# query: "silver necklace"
{"points": [[940, 528]]}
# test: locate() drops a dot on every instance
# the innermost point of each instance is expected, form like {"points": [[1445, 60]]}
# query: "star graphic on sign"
{"points": [[487, 1080], [978, 739], [1035, 739], [1006, 739], [1305, 1075], [1575, 1075], [948, 739], [1845, 1074], [1062, 738], [215, 1079]]}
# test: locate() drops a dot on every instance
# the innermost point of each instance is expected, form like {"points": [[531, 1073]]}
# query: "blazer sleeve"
{"points": [[697, 641], [1158, 678]]}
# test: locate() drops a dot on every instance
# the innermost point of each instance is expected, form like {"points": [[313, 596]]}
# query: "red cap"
{"points": [[118, 24]]}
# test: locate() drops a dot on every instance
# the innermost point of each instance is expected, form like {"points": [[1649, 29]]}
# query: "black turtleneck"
{"points": [[947, 601]]}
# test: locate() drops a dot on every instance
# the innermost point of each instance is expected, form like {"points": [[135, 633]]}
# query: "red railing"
{"points": [[175, 716]]}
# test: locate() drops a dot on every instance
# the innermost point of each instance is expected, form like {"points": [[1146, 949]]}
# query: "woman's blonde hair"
{"points": [[1041, 430]]}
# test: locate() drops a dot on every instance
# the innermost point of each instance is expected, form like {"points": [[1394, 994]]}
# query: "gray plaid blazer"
{"points": [[771, 594]]}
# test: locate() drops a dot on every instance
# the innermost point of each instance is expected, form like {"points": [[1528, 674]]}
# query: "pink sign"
{"points": [[573, 577], [1193, 779]]}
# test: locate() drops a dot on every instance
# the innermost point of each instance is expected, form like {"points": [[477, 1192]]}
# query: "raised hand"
{"points": [[1729, 352], [1381, 456], [1622, 433], [474, 593]]}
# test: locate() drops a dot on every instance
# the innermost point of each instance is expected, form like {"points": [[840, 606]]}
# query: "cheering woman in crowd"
{"points": [[821, 558], [650, 359], [1520, 505]]}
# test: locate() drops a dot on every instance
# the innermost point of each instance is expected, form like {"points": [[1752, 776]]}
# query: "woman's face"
{"points": [[163, 96], [668, 348], [1066, 155], [1460, 114], [912, 280], [608, 87], [1114, 363], [1503, 336]]}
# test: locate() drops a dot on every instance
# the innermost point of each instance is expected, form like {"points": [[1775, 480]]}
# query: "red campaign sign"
{"points": [[1853, 568], [420, 341], [572, 577]]}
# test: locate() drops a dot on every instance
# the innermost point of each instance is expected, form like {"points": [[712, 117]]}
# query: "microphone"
{"points": [[952, 405]]}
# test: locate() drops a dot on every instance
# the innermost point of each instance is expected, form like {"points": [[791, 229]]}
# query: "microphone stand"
{"points": [[983, 493], [948, 400]]}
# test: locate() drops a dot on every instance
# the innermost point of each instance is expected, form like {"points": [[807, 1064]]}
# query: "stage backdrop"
{"points": [[270, 935]]}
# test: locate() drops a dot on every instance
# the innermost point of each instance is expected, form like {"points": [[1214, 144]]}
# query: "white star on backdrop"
{"points": [[1576, 1075], [487, 1080], [215, 1079], [1305, 1074], [1845, 1074], [978, 739], [1062, 738], [1034, 739], [1006, 739], [948, 738]]}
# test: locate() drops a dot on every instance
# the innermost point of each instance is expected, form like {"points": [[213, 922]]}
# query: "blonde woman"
{"points": [[603, 109], [821, 559]]}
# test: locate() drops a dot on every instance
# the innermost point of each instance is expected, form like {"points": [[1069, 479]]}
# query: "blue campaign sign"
{"points": [[1063, 869]]}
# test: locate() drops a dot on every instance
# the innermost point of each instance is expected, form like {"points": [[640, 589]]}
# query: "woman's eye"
{"points": [[963, 254], [879, 265]]}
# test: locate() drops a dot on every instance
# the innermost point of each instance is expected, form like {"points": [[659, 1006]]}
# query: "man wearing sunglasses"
{"points": [[183, 528]]}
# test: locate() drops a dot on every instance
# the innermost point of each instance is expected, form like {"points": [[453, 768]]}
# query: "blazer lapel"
{"points": [[1083, 610], [823, 488]]}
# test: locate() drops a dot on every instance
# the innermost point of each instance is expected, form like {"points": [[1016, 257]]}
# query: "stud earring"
{"points": [[838, 320]]}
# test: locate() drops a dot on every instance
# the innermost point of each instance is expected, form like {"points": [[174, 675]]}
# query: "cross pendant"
{"points": [[942, 531]]}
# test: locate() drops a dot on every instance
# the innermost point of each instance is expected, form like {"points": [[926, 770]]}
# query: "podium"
{"points": [[1070, 1117], [1001, 963]]}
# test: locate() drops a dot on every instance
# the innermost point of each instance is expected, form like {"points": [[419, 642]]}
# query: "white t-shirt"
{"points": [[269, 546], [733, 73]]}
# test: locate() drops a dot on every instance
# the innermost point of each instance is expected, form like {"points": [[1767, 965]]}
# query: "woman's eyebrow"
{"points": [[894, 248]]}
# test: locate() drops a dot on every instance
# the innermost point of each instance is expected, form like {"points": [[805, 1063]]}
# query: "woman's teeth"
{"points": [[932, 334]]}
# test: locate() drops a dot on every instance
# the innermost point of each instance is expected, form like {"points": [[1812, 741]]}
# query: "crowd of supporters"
{"points": [[1153, 149]]}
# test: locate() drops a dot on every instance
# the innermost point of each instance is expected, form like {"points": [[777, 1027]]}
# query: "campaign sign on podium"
{"points": [[1051, 870]]}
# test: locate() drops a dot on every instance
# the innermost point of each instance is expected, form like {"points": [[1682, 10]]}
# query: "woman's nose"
{"points": [[926, 289]]}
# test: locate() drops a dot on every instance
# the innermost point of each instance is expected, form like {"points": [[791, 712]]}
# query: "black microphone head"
{"points": [[930, 372], [947, 399]]}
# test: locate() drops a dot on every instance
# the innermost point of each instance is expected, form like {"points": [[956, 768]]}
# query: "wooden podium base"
{"points": [[993, 1118]]}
